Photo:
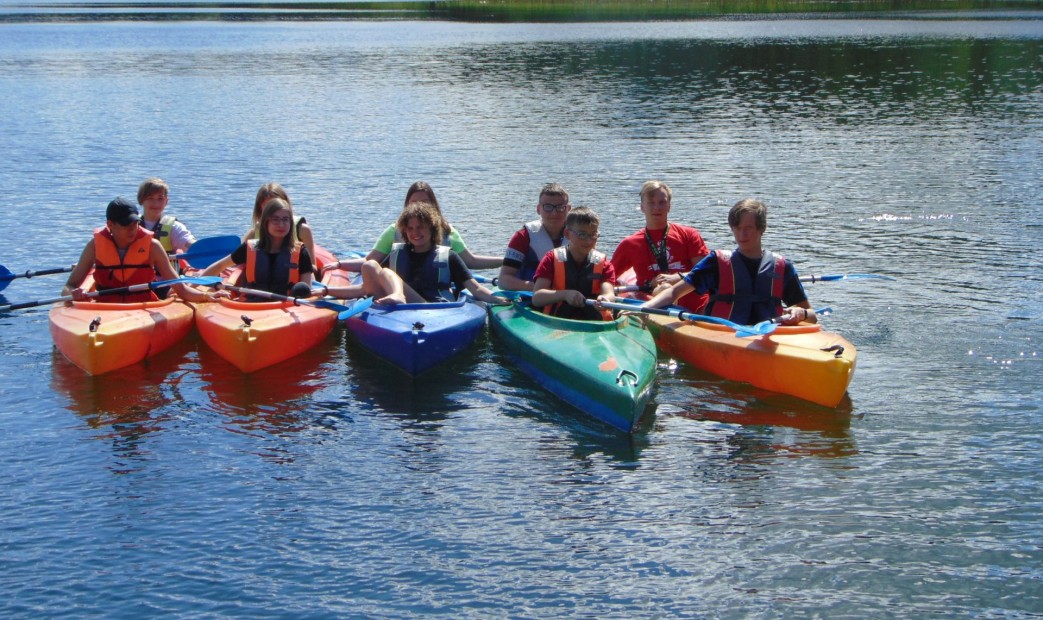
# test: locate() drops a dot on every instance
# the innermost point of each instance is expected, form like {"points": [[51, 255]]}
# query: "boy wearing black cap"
{"points": [[123, 254]]}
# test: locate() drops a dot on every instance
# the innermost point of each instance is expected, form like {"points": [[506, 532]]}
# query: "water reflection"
{"points": [[770, 424], [125, 406], [586, 437], [270, 401]]}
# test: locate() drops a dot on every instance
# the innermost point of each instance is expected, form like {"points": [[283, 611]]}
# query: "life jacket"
{"points": [[737, 295], [539, 244], [135, 267], [587, 280], [434, 282], [270, 275], [162, 230]]}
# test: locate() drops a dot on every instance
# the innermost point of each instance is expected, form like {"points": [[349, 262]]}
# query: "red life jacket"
{"points": [[135, 267], [589, 282], [738, 295]]}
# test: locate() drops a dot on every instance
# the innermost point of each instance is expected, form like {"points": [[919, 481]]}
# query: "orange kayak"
{"points": [[257, 335], [101, 337], [800, 360]]}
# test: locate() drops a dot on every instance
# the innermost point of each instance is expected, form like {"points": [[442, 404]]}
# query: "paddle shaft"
{"points": [[760, 329], [32, 274], [344, 312], [636, 288], [134, 288]]}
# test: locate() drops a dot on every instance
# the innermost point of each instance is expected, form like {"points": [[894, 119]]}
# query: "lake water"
{"points": [[332, 486]]}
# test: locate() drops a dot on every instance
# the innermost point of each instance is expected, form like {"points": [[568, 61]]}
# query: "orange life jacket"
{"points": [[134, 267], [589, 281]]}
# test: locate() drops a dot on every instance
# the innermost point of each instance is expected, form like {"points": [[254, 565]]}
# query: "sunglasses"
{"points": [[549, 208]]}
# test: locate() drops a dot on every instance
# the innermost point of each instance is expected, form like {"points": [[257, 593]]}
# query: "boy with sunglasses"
{"points": [[529, 244], [570, 275]]}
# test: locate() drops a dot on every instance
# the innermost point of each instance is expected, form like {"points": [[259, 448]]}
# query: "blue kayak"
{"points": [[418, 337]]}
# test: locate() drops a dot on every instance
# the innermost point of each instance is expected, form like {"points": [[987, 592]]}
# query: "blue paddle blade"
{"points": [[206, 251], [5, 277], [358, 307]]}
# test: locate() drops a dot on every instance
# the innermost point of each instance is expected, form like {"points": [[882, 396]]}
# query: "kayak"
{"points": [[604, 368], [257, 335], [800, 360], [418, 337], [102, 337]]}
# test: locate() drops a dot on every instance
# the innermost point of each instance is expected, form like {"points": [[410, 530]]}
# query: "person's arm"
{"points": [[508, 280], [670, 295], [543, 295], [482, 293], [307, 267], [355, 264], [798, 313], [798, 308], [476, 261], [161, 263], [181, 238], [79, 273], [305, 236], [513, 261]]}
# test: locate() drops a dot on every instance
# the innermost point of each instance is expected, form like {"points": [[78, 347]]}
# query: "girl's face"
{"points": [[279, 224], [418, 233], [418, 196]]}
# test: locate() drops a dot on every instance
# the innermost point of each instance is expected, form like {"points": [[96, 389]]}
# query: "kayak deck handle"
{"points": [[93, 327], [247, 321], [837, 348], [629, 376], [418, 326]]}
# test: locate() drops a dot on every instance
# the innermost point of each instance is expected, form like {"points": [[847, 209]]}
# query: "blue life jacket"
{"points": [[433, 282]]}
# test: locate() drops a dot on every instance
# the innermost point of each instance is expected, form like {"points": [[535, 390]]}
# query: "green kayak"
{"points": [[604, 368]]}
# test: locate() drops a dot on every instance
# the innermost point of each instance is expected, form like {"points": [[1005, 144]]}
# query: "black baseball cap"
{"points": [[122, 211]]}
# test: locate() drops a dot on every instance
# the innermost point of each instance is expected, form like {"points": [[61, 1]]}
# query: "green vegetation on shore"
{"points": [[642, 10], [503, 10]]}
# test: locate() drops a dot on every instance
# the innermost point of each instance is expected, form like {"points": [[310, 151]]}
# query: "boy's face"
{"points": [[747, 236], [154, 205], [553, 210], [123, 235], [582, 238], [656, 207]]}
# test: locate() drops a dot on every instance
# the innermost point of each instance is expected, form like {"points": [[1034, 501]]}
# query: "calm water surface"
{"points": [[331, 486]]}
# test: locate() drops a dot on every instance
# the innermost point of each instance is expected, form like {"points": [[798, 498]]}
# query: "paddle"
{"points": [[134, 288], [205, 251], [844, 276], [344, 312], [6, 276], [760, 329], [635, 288]]}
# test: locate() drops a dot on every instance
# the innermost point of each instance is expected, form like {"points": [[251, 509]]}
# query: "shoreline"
{"points": [[511, 11]]}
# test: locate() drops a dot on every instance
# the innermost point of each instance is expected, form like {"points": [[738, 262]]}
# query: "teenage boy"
{"points": [[749, 284], [661, 252], [570, 275], [532, 242]]}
